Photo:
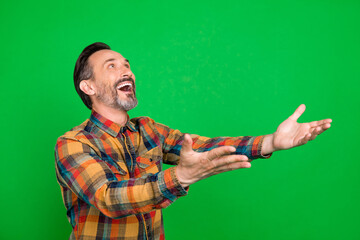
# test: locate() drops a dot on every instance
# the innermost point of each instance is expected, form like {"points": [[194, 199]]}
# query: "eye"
{"points": [[111, 65], [127, 65]]}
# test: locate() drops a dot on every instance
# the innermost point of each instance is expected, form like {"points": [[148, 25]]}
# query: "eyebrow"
{"points": [[113, 59]]}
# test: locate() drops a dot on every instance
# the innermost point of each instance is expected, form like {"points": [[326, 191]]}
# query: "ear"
{"points": [[87, 87]]}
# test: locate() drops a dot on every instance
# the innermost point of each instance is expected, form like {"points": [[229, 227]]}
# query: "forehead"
{"points": [[99, 57]]}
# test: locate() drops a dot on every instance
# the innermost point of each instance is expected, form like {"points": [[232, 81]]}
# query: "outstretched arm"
{"points": [[291, 134], [195, 166]]}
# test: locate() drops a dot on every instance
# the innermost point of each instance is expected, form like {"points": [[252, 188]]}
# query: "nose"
{"points": [[127, 73]]}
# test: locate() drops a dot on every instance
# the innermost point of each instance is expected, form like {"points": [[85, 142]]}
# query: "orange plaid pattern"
{"points": [[111, 177]]}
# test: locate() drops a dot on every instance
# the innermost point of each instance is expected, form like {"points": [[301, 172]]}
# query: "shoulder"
{"points": [[143, 122], [146, 124], [78, 140], [150, 126], [78, 133]]}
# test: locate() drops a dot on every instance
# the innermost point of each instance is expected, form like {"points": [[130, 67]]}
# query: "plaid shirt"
{"points": [[111, 177]]}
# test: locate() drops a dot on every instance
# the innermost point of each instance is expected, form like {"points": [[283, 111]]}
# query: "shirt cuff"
{"points": [[256, 148], [169, 185]]}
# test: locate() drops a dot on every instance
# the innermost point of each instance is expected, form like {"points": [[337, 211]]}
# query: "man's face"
{"points": [[114, 81]]}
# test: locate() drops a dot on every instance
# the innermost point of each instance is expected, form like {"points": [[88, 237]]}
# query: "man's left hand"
{"points": [[291, 134]]}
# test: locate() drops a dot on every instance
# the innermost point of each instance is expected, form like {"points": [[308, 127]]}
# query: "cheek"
{"points": [[104, 88]]}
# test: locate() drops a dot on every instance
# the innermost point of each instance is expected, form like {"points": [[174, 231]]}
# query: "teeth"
{"points": [[123, 85]]}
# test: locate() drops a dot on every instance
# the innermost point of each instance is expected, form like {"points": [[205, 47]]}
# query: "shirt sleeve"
{"points": [[80, 169], [172, 140]]}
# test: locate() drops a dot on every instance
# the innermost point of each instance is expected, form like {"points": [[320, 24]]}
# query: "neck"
{"points": [[117, 116]]}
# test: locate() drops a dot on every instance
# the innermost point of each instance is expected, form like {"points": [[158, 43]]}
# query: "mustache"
{"points": [[125, 80]]}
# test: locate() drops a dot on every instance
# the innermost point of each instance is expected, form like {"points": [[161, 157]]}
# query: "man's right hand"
{"points": [[195, 166]]}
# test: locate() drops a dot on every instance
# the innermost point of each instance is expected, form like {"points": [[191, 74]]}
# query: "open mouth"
{"points": [[125, 87]]}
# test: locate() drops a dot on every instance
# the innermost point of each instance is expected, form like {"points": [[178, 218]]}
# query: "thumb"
{"points": [[298, 112], [187, 144]]}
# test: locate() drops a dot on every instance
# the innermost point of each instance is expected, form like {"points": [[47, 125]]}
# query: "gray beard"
{"points": [[112, 100], [126, 105]]}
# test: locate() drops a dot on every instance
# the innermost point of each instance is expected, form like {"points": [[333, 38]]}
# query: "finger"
{"points": [[326, 126], [320, 129], [220, 151], [187, 144], [298, 112], [233, 166], [315, 132], [228, 159], [304, 140], [307, 138], [321, 122]]}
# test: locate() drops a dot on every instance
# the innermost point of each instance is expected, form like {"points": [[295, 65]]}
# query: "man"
{"points": [[110, 167]]}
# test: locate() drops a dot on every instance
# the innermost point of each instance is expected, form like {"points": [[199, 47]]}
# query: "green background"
{"points": [[213, 68]]}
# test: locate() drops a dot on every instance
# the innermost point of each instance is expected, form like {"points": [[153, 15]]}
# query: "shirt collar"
{"points": [[109, 126]]}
